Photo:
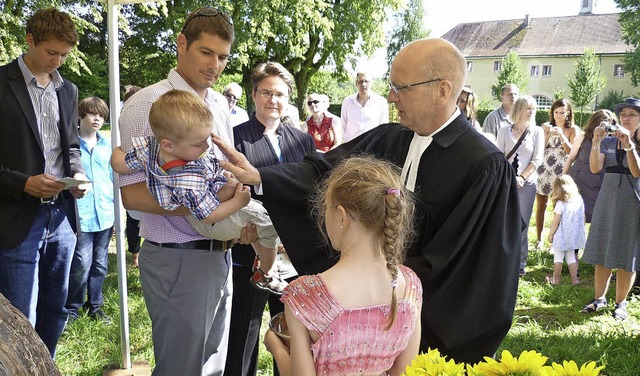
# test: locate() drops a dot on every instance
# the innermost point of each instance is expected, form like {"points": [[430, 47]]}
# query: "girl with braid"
{"points": [[362, 315]]}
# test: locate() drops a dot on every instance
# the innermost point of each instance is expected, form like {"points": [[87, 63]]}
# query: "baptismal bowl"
{"points": [[278, 325]]}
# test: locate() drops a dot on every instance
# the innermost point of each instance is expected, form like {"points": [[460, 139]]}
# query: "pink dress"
{"points": [[353, 340]]}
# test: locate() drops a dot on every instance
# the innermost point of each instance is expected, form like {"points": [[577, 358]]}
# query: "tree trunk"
{"points": [[22, 352]]}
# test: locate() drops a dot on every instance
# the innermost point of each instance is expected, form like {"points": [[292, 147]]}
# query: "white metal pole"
{"points": [[113, 12]]}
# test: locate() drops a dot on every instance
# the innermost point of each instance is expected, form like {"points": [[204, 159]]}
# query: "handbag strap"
{"points": [[517, 145]]}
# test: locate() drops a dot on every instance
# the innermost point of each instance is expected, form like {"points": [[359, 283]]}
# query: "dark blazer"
{"points": [[21, 151], [250, 140]]}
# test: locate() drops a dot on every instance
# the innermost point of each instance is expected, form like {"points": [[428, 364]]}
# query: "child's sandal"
{"points": [[273, 284]]}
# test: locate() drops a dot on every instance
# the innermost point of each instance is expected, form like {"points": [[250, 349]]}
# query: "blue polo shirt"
{"points": [[95, 209]]}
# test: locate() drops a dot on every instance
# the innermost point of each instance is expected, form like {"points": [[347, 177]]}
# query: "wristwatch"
{"points": [[630, 148]]}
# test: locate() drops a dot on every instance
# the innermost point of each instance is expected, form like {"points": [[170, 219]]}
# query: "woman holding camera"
{"points": [[577, 165], [614, 237]]}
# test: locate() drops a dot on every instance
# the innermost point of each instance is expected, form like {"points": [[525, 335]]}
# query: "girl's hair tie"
{"points": [[394, 283], [393, 191]]}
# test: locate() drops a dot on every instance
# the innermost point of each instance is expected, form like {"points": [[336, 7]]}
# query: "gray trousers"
{"points": [[526, 196], [188, 296]]}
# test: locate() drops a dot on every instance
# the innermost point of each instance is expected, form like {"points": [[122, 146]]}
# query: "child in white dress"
{"points": [[567, 229]]}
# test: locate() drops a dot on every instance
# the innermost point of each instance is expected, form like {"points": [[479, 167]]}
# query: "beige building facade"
{"points": [[548, 48]]}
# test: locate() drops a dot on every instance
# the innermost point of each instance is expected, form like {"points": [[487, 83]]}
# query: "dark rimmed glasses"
{"points": [[396, 89], [315, 101], [269, 94], [207, 12]]}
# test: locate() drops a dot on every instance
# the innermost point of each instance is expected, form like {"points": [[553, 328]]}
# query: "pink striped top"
{"points": [[353, 340]]}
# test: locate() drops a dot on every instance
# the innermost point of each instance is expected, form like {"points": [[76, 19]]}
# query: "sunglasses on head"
{"points": [[315, 101], [207, 12]]}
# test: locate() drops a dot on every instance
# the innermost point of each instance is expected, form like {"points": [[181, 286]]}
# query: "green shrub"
{"points": [[610, 99]]}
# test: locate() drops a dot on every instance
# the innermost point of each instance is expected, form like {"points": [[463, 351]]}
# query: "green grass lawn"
{"points": [[547, 319]]}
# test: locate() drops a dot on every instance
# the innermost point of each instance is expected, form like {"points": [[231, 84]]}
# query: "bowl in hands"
{"points": [[278, 325]]}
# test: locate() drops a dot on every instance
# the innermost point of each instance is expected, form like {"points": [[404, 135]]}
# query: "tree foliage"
{"points": [[630, 24], [303, 35], [512, 73], [587, 81], [409, 26]]}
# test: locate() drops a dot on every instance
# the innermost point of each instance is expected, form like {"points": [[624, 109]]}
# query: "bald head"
{"points": [[438, 58], [430, 74]]}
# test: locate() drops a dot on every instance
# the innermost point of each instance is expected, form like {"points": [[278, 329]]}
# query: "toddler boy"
{"points": [[183, 171]]}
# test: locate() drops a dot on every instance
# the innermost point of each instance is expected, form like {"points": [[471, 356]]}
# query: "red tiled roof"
{"points": [[543, 37]]}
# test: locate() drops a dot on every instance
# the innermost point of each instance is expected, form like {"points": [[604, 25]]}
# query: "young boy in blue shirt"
{"points": [[96, 214]]}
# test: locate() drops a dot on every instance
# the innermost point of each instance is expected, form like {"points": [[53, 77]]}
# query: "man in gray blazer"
{"points": [[38, 146]]}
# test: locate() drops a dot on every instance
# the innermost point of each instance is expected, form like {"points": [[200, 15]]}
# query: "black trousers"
{"points": [[132, 232], [247, 308]]}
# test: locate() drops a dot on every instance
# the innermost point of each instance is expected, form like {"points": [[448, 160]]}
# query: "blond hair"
{"points": [[177, 113], [371, 191], [564, 188], [521, 104]]}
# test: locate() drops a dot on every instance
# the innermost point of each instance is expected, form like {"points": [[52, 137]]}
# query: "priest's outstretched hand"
{"points": [[237, 163]]}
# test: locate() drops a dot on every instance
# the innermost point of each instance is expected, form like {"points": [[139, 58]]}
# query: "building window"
{"points": [[618, 70], [543, 102], [497, 66], [469, 66], [546, 71], [535, 70]]}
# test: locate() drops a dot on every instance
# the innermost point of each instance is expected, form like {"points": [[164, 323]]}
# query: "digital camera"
{"points": [[609, 127]]}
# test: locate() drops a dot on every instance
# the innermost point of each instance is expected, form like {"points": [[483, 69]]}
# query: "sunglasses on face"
{"points": [[207, 12], [231, 96], [315, 101]]}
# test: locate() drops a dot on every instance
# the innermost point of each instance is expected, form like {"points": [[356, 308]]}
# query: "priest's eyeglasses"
{"points": [[208, 12], [396, 89]]}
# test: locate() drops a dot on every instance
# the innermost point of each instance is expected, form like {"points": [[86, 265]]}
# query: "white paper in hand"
{"points": [[71, 182]]}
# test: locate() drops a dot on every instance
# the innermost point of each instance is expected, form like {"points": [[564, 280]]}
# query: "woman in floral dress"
{"points": [[559, 134]]}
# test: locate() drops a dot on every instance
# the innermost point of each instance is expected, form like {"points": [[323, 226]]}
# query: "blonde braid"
{"points": [[360, 184], [395, 236]]}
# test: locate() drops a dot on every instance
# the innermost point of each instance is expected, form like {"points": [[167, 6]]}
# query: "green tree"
{"points": [[610, 99], [13, 19], [587, 81], [630, 24], [409, 26], [512, 73], [305, 36]]}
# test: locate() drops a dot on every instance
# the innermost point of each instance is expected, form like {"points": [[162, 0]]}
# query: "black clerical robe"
{"points": [[467, 248]]}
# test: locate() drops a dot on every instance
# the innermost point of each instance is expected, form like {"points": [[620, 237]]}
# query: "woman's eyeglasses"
{"points": [[268, 94], [315, 101], [208, 12]]}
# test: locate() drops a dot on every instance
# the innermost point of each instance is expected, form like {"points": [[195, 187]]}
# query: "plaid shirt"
{"points": [[134, 122], [193, 185]]}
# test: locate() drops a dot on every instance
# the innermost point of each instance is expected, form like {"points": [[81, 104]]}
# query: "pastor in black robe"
{"points": [[466, 252]]}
